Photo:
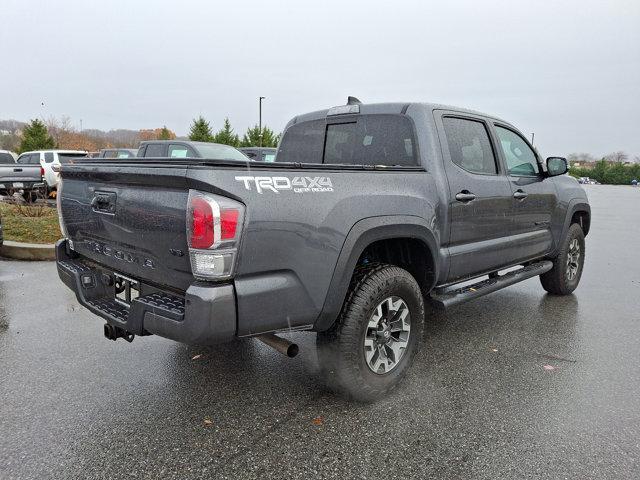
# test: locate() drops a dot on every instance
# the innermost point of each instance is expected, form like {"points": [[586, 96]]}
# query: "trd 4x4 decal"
{"points": [[279, 184]]}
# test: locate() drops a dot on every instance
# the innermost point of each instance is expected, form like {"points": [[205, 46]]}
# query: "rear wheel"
{"points": [[565, 275], [370, 348]]}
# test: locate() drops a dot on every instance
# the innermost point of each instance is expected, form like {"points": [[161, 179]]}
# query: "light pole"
{"points": [[260, 118]]}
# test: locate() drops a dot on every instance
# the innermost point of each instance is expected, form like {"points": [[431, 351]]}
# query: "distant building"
{"points": [[584, 165]]}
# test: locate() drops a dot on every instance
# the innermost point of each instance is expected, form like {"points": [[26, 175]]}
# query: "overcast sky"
{"points": [[567, 70]]}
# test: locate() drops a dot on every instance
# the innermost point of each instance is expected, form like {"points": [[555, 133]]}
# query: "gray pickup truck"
{"points": [[369, 212], [22, 175]]}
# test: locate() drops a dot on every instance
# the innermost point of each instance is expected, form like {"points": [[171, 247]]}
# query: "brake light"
{"points": [[42, 171], [214, 224], [202, 234]]}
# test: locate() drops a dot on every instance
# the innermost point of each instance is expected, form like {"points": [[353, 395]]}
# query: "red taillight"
{"points": [[214, 225], [202, 233], [228, 223], [42, 171]]}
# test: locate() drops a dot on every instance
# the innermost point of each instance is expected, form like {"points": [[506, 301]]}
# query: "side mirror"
{"points": [[557, 166]]}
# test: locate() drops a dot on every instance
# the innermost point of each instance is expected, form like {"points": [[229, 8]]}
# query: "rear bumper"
{"points": [[203, 315], [26, 185]]}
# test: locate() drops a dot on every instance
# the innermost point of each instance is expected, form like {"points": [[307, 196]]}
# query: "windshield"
{"points": [[220, 152]]}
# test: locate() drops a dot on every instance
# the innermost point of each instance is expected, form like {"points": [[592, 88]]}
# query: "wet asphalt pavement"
{"points": [[478, 402]]}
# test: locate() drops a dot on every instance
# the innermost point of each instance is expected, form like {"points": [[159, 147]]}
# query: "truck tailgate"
{"points": [[20, 173], [130, 218]]}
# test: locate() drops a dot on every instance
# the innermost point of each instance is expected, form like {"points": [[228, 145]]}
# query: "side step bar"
{"points": [[448, 297]]}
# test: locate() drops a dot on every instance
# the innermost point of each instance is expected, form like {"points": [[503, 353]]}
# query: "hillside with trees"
{"points": [[66, 135]]}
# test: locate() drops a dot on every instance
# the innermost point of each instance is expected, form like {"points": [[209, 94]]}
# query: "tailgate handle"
{"points": [[17, 169], [104, 202]]}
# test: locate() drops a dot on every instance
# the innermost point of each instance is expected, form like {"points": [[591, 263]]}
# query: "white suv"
{"points": [[49, 158]]}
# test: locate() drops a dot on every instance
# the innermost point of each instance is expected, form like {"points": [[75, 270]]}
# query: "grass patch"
{"points": [[38, 224]]}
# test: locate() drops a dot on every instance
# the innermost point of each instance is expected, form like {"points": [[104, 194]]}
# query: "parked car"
{"points": [[50, 158], [1, 234], [369, 212], [260, 154], [588, 181], [24, 175], [184, 149], [117, 153]]}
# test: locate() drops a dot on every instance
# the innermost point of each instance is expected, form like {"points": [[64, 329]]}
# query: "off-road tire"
{"points": [[556, 281], [341, 351]]}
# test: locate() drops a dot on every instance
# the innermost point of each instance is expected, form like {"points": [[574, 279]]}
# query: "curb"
{"points": [[27, 251]]}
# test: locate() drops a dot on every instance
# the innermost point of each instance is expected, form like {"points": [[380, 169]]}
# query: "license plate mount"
{"points": [[126, 289]]}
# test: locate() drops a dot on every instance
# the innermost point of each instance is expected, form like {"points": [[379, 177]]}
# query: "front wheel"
{"points": [[370, 348], [565, 275]]}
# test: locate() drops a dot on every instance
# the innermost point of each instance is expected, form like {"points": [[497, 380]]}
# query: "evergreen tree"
{"points": [[200, 130], [166, 134], [252, 137], [599, 171], [36, 137], [226, 135]]}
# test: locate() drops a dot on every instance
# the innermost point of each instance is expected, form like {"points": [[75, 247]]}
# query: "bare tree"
{"points": [[619, 157], [60, 129]]}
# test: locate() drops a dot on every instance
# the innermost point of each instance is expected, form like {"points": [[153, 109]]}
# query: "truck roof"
{"points": [[392, 108], [55, 150]]}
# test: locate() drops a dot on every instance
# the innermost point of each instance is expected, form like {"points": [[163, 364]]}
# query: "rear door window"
{"points": [[48, 157], [469, 145]]}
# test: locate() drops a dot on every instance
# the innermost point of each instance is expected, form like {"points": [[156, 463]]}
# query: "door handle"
{"points": [[520, 194], [465, 196]]}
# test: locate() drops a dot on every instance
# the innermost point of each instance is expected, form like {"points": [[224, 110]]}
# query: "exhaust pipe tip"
{"points": [[293, 350], [279, 344]]}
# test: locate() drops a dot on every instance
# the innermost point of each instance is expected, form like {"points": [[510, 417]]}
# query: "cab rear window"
{"points": [[359, 140], [6, 158]]}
